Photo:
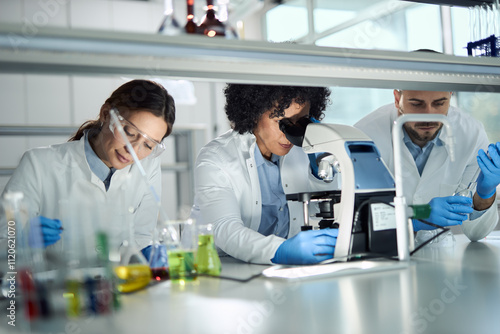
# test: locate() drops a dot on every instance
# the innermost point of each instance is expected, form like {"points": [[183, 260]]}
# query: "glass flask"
{"points": [[231, 32], [179, 237], [169, 26], [158, 261], [207, 258], [132, 272], [190, 27]]}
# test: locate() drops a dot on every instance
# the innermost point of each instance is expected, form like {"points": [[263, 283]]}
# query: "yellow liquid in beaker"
{"points": [[181, 265], [208, 259], [132, 277], [72, 296]]}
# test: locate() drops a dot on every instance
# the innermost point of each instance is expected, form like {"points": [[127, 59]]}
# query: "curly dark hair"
{"points": [[245, 104]]}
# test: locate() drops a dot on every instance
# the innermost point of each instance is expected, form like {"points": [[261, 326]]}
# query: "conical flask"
{"points": [[223, 15], [133, 270], [169, 26], [207, 258]]}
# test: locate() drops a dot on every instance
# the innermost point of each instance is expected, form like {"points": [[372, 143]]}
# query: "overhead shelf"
{"points": [[91, 52]]}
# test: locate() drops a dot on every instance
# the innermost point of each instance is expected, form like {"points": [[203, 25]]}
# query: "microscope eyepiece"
{"points": [[295, 132]]}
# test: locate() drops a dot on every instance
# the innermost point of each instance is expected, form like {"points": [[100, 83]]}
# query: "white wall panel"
{"points": [[45, 13], [48, 100], [11, 150], [90, 14], [89, 94], [11, 11], [136, 16], [12, 95]]}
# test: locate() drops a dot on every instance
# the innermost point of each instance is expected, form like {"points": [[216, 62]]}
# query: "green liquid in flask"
{"points": [[208, 259], [181, 265]]}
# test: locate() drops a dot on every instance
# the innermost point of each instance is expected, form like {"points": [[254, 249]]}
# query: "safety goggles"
{"points": [[146, 144]]}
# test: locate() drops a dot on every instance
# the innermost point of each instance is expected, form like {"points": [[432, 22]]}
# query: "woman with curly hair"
{"points": [[239, 177]]}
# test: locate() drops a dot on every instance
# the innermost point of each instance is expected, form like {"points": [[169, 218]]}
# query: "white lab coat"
{"points": [[227, 194], [47, 175], [440, 177]]}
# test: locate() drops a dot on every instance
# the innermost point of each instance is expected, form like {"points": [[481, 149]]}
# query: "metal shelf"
{"points": [[90, 52]]}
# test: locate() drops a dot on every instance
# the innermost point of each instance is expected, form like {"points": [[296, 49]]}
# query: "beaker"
{"points": [[207, 259], [180, 241]]}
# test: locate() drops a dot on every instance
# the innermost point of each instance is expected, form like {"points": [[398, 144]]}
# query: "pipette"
{"points": [[164, 217]]}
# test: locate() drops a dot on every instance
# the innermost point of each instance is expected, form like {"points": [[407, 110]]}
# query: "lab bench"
{"points": [[444, 289]]}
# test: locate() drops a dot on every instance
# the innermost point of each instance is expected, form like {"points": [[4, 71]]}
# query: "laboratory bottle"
{"points": [[211, 26], [190, 27], [208, 260], [169, 26]]}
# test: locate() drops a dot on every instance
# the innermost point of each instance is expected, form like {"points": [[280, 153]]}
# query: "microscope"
{"points": [[362, 207]]}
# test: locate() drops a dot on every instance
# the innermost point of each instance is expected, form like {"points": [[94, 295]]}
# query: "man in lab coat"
{"points": [[428, 173]]}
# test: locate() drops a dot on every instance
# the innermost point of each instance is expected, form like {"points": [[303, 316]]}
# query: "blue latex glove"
{"points": [[44, 231], [489, 178], [156, 256], [446, 211], [307, 247]]}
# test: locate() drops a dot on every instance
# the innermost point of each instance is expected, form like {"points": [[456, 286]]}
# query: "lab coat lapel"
{"points": [[438, 159], [255, 183]]}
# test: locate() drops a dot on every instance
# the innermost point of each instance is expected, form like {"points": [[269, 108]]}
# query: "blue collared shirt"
{"points": [[96, 165], [275, 218], [421, 154]]}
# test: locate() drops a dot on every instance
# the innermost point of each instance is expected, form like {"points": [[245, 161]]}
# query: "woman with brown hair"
{"points": [[95, 164]]}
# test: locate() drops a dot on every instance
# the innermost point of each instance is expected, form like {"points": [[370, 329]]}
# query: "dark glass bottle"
{"points": [[211, 26], [191, 27]]}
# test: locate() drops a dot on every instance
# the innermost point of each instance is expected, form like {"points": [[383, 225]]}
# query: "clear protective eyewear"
{"points": [[150, 146]]}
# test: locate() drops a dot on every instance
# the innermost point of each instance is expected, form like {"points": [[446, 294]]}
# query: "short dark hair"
{"points": [[245, 104]]}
